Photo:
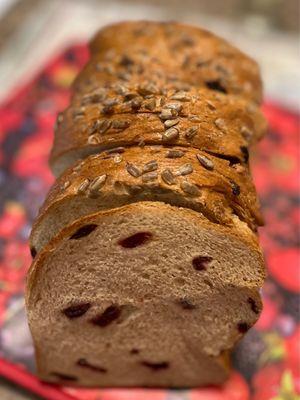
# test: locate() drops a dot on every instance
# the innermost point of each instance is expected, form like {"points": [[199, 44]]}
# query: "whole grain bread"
{"points": [[142, 295], [147, 267], [218, 123], [190, 54], [180, 176]]}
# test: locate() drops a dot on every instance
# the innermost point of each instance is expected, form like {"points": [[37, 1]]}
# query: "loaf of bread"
{"points": [[147, 266]]}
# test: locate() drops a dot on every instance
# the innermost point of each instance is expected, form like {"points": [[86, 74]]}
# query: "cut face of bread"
{"points": [[111, 303], [178, 176]]}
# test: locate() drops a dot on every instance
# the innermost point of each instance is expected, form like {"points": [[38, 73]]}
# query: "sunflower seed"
{"points": [[170, 134], [94, 127], [220, 123], [150, 176], [205, 162], [141, 143], [111, 102], [236, 190], [120, 89], [83, 186], [133, 170], [246, 133], [194, 118], [162, 101], [149, 88], [167, 113], [118, 124], [118, 158], [190, 188], [136, 103], [170, 122], [181, 96], [65, 185], [97, 183], [115, 150], [79, 112], [191, 132], [104, 125], [168, 177], [174, 154], [150, 166], [150, 105], [185, 169], [174, 106], [94, 139], [210, 105]]}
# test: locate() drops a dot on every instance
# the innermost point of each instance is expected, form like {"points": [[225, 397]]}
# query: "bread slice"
{"points": [[142, 295], [177, 176], [190, 54], [217, 123]]}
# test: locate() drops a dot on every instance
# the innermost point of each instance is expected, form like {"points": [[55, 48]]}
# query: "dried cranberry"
{"points": [[253, 305], [155, 366], [107, 317], [186, 304], [134, 351], [83, 231], [76, 310], [243, 327], [200, 263], [64, 377], [83, 363], [236, 190], [33, 252], [216, 85], [135, 240]]}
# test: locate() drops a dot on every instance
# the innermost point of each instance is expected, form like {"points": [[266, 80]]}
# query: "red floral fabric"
{"points": [[266, 362]]}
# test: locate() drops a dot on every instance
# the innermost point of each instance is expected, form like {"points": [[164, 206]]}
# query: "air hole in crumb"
{"points": [[253, 305], [84, 231], [33, 252], [216, 85], [145, 275], [200, 263], [186, 304], [107, 317], [64, 377], [179, 281], [138, 239], [76, 310], [96, 368], [243, 327], [134, 351], [155, 366]]}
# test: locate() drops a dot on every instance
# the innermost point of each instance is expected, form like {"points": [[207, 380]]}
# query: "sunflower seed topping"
{"points": [[83, 186], [118, 124], [211, 105], [150, 105], [147, 89], [133, 170], [65, 185], [194, 118], [79, 112], [190, 188], [180, 96], [205, 162], [150, 176], [136, 103], [168, 176], [174, 106], [167, 113], [97, 183], [150, 166], [246, 133], [170, 134], [170, 122], [191, 132], [185, 169], [174, 154], [220, 123], [94, 139], [104, 126], [117, 159]]}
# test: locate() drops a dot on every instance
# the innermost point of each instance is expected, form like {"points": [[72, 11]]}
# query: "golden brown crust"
{"points": [[125, 116], [193, 55]]}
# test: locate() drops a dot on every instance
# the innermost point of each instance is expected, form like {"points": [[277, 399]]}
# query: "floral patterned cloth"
{"points": [[266, 362]]}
